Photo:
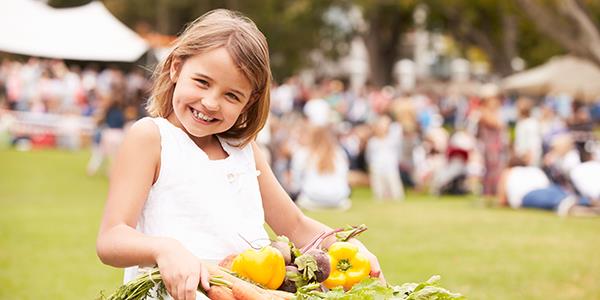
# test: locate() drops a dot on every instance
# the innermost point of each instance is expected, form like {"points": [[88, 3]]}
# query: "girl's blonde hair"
{"points": [[248, 48], [322, 146]]}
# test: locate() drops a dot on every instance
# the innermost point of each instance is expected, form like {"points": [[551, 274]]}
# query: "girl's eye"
{"points": [[232, 96], [202, 82]]}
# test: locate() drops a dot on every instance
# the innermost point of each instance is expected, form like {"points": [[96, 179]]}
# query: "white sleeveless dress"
{"points": [[207, 205]]}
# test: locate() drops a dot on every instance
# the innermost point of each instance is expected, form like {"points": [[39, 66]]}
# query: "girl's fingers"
{"points": [[376, 269], [379, 275], [191, 286], [169, 286], [204, 277], [180, 290]]}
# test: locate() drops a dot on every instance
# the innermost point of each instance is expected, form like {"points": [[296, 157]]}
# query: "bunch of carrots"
{"points": [[225, 286]]}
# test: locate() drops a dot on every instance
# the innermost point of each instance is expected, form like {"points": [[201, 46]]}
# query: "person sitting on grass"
{"points": [[522, 186], [320, 169]]}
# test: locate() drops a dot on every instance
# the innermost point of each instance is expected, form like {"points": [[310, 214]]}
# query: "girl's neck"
{"points": [[206, 143]]}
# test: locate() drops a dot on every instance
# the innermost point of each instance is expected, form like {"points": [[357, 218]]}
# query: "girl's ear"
{"points": [[174, 69]]}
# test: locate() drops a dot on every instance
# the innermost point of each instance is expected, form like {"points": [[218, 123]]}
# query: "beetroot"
{"points": [[285, 250], [293, 278], [323, 263]]}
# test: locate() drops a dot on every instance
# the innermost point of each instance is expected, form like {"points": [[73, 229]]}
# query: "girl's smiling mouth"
{"points": [[199, 116]]}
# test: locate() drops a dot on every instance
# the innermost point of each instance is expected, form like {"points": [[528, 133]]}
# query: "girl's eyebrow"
{"points": [[210, 79]]}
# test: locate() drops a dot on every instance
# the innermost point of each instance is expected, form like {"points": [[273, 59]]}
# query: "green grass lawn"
{"points": [[50, 210]]}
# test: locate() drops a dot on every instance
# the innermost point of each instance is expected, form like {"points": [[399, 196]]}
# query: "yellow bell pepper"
{"points": [[265, 266], [348, 266]]}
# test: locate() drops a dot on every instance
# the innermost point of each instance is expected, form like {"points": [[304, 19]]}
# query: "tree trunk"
{"points": [[500, 60], [382, 42], [500, 50], [509, 41], [578, 34], [163, 17]]}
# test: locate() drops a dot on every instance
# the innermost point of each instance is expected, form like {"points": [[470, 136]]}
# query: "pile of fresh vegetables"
{"points": [[282, 271]]}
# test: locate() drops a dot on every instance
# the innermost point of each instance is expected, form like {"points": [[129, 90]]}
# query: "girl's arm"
{"points": [[285, 218], [119, 244], [133, 173]]}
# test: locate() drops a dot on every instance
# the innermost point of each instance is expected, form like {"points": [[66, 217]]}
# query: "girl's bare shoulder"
{"points": [[144, 131], [142, 138]]}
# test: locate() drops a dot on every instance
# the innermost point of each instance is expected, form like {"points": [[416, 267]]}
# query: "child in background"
{"points": [[321, 171], [528, 134], [189, 180], [383, 158]]}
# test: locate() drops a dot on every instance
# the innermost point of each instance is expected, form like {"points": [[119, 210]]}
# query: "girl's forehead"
{"points": [[217, 64]]}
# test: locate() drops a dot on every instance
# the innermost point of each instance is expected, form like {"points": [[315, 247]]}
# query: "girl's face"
{"points": [[210, 93]]}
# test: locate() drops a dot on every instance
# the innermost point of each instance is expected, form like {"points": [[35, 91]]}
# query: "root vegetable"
{"points": [[323, 263], [292, 276], [282, 294], [246, 291], [285, 250], [217, 292]]}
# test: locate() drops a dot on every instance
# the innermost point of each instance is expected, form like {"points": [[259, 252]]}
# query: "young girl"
{"points": [[189, 182], [321, 171], [383, 158]]}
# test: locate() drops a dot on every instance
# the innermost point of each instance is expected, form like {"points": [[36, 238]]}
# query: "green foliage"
{"points": [[51, 211], [292, 27], [295, 27], [387, 22], [373, 289], [486, 24], [308, 266]]}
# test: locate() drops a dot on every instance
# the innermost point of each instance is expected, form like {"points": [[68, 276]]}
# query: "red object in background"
{"points": [[43, 140], [459, 153]]}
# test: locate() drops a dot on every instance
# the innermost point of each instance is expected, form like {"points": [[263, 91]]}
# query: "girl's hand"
{"points": [[375, 267], [181, 271]]}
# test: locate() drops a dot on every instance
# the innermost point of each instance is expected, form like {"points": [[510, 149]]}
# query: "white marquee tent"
{"points": [[561, 75], [88, 32]]}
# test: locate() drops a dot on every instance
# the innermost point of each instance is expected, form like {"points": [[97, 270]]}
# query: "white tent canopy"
{"points": [[561, 75], [88, 32]]}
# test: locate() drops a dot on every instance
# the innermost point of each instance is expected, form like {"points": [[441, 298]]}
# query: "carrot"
{"points": [[215, 271], [246, 291], [245, 288], [281, 294], [218, 292]]}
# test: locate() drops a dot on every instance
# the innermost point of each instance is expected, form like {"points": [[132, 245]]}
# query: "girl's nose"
{"points": [[210, 103]]}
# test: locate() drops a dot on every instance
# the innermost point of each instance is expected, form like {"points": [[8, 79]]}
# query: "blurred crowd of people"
{"points": [[324, 138], [448, 142], [38, 88]]}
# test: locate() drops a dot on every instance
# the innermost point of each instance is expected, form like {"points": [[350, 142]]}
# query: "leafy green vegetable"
{"points": [[308, 266], [373, 289], [295, 251]]}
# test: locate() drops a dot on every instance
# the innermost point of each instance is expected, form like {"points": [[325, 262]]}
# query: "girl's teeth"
{"points": [[200, 115]]}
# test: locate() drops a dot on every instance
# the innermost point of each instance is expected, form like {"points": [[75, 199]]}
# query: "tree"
{"points": [[292, 27], [569, 23], [499, 28], [490, 25], [386, 23]]}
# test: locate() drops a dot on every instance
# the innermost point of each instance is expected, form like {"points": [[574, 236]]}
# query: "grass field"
{"points": [[49, 215]]}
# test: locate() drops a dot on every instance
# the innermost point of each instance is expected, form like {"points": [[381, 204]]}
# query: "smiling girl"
{"points": [[190, 180]]}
